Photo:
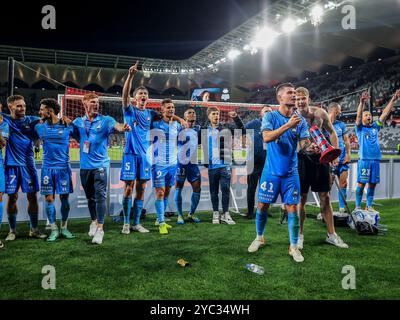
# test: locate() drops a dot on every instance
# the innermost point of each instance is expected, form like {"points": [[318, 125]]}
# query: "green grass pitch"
{"points": [[143, 266]]}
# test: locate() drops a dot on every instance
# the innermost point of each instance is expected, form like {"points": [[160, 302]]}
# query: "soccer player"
{"points": [[92, 130], [217, 149], [342, 168], [165, 133], [282, 130], [136, 162], [368, 165], [314, 174], [256, 156], [4, 134], [56, 176], [188, 167], [20, 168]]}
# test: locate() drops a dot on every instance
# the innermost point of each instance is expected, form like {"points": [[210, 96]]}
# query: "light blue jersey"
{"points": [[282, 155], [368, 141], [188, 145], [138, 140], [55, 144], [165, 142], [93, 138], [340, 128], [19, 149], [214, 156], [4, 132]]}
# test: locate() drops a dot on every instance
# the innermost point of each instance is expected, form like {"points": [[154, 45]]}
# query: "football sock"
{"points": [[359, 194], [160, 210], [178, 201], [127, 206], [138, 206], [261, 221], [34, 218], [50, 212], [370, 196], [293, 227], [341, 200], [194, 202], [12, 221], [65, 207]]}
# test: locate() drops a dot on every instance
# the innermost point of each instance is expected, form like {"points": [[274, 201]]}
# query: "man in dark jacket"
{"points": [[216, 140]]}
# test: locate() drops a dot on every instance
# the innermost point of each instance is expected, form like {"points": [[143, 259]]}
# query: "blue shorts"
{"points": [[24, 177], [191, 172], [368, 171], [56, 181], [342, 167], [163, 176], [135, 167], [2, 179], [271, 187]]}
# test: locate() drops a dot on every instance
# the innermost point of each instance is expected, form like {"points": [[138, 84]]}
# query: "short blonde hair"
{"points": [[304, 91], [90, 96]]}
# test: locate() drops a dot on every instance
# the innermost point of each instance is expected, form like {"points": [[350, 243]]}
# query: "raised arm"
{"points": [[272, 135], [389, 106], [126, 99], [364, 97]]}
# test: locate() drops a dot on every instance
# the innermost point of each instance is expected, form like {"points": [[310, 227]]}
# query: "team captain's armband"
{"points": [[379, 123]]}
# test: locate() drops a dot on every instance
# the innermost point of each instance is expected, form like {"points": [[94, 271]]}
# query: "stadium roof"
{"points": [[308, 49]]}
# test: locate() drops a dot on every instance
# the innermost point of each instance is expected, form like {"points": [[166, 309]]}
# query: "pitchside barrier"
{"points": [[388, 188]]}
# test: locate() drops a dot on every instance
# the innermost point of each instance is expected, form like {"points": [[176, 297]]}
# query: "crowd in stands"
{"points": [[381, 76]]}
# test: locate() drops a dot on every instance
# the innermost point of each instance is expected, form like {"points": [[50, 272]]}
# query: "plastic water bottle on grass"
{"points": [[255, 268]]}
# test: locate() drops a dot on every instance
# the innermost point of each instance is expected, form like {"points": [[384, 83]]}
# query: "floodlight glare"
{"points": [[264, 38], [316, 15], [288, 25], [233, 54]]}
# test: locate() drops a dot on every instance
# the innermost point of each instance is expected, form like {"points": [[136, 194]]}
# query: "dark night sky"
{"points": [[172, 29]]}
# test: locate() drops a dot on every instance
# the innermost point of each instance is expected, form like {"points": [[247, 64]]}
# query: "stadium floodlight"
{"points": [[316, 14], [331, 5], [289, 25], [233, 53], [264, 37]]}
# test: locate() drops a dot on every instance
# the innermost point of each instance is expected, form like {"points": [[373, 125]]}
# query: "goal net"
{"points": [[111, 105]]}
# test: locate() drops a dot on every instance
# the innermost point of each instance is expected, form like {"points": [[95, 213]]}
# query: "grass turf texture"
{"points": [[143, 266]]}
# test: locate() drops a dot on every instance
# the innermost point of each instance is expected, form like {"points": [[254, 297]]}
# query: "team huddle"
{"points": [[163, 147]]}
